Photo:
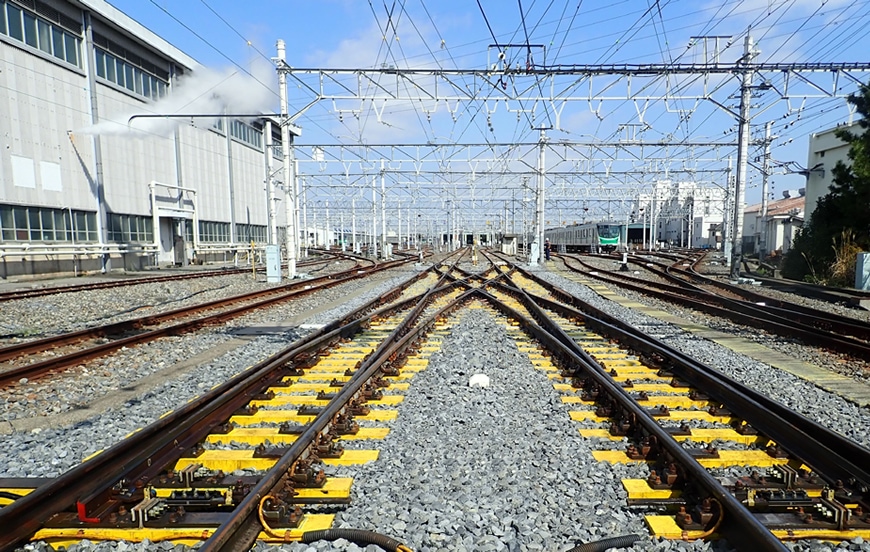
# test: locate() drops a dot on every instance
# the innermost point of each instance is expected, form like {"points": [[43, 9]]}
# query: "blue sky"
{"points": [[241, 36]]}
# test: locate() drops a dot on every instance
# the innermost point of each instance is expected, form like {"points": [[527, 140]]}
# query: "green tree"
{"points": [[841, 220]]}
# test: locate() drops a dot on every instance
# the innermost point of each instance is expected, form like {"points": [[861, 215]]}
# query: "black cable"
{"points": [[213, 47], [483, 13], [568, 30], [228, 24]]}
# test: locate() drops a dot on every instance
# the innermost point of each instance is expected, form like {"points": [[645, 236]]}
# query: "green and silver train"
{"points": [[596, 237]]}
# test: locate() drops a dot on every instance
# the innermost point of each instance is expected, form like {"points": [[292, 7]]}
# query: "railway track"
{"points": [[294, 411], [684, 272], [73, 348], [851, 297], [826, 330], [155, 451], [27, 293]]}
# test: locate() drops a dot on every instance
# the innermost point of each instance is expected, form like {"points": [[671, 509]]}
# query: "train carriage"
{"points": [[594, 237]]}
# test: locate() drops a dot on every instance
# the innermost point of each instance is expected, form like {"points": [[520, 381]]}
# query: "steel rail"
{"points": [[39, 369], [37, 345], [744, 527], [834, 456], [752, 316], [146, 452], [823, 293], [824, 320], [241, 531], [30, 293], [809, 316]]}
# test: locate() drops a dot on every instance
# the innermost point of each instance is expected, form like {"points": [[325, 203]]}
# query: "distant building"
{"points": [[775, 232], [684, 213], [824, 152]]}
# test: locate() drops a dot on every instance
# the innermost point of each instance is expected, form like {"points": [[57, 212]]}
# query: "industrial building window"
{"points": [[251, 233], [247, 134], [46, 225], [39, 33], [133, 78], [214, 232], [241, 131], [130, 228]]}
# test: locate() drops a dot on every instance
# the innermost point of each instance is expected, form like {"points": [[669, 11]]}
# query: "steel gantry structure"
{"points": [[543, 96], [484, 179]]}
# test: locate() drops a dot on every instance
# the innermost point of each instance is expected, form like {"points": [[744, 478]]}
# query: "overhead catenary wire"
{"points": [[213, 47], [664, 123]]}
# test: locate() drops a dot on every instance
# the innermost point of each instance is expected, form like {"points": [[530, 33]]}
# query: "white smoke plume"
{"points": [[204, 91]]}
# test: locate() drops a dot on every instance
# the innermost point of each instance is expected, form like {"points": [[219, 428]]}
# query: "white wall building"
{"points": [[683, 213], [777, 229], [71, 197], [824, 152]]}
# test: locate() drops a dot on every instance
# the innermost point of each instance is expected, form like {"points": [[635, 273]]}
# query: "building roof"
{"points": [[779, 207], [127, 24]]}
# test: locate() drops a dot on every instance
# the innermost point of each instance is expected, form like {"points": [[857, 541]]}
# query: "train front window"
{"points": [[608, 231]]}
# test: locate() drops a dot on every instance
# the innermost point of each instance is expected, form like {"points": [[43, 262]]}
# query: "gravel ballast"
{"points": [[855, 368], [819, 405], [495, 468], [49, 452], [491, 469]]}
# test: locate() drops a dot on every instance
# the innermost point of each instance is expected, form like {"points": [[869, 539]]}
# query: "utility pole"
{"points": [[542, 143], [270, 184], [742, 153], [383, 213], [355, 248], [765, 173], [305, 233], [727, 213], [289, 165], [374, 251]]}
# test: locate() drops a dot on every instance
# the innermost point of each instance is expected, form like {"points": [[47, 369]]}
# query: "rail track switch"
{"points": [[345, 425], [280, 514], [776, 452], [709, 452], [304, 474], [196, 499], [287, 428]]}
